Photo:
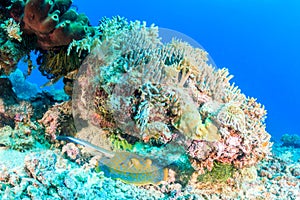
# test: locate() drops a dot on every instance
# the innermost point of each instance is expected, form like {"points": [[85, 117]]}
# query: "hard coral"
{"points": [[58, 119], [11, 53], [50, 21], [291, 140], [173, 85]]}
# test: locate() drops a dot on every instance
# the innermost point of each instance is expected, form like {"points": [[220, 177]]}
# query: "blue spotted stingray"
{"points": [[125, 166]]}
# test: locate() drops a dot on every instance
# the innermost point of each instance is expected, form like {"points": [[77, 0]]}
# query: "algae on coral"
{"points": [[220, 172]]}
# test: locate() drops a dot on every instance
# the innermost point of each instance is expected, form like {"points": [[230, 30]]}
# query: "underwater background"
{"points": [[257, 41]]}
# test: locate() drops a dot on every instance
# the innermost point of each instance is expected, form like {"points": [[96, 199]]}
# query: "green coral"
{"points": [[23, 137], [120, 143], [220, 173]]}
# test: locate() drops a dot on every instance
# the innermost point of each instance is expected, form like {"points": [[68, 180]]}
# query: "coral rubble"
{"points": [[47, 175]]}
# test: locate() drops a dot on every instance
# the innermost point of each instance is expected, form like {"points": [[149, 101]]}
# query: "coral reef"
{"points": [[47, 174], [280, 175], [25, 136], [275, 178], [169, 95], [12, 47], [219, 172], [14, 109], [290, 140], [134, 95], [11, 108], [47, 26], [52, 22], [58, 119], [11, 53]]}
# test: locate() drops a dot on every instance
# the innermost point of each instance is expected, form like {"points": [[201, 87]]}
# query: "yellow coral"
{"points": [[190, 124], [208, 131], [189, 121]]}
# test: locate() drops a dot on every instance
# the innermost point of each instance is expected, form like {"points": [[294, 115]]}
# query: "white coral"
{"points": [[233, 116], [13, 29]]}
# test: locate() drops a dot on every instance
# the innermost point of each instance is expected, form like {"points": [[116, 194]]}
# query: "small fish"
{"points": [[125, 166]]}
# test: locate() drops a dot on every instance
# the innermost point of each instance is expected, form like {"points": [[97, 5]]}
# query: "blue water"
{"points": [[258, 40]]}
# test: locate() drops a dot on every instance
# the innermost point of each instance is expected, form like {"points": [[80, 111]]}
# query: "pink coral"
{"points": [[58, 119], [200, 149], [71, 150]]}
